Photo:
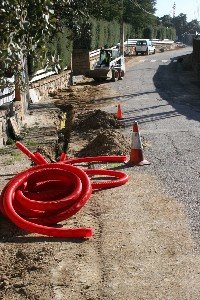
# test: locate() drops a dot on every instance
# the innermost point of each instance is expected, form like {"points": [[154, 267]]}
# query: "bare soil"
{"points": [[142, 246]]}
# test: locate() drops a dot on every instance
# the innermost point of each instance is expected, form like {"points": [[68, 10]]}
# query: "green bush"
{"points": [[59, 46]]}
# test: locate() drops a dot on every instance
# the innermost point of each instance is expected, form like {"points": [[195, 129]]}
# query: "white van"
{"points": [[144, 47]]}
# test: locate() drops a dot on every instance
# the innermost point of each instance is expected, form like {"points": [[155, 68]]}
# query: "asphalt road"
{"points": [[163, 97]]}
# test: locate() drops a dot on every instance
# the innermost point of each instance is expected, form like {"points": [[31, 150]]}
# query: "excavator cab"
{"points": [[105, 57]]}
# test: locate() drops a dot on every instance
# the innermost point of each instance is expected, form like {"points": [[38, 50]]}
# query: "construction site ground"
{"points": [[142, 246]]}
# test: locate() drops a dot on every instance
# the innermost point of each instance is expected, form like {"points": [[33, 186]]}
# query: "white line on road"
{"points": [[167, 130]]}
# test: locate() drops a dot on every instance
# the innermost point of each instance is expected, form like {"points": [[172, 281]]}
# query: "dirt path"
{"points": [[141, 249]]}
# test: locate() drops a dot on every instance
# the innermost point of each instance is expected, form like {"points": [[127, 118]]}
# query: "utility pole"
{"points": [[122, 29]]}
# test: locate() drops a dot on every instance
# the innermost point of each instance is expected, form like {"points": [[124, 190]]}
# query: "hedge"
{"points": [[99, 34]]}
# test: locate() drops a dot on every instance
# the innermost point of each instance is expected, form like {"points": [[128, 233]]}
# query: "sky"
{"points": [[189, 7]]}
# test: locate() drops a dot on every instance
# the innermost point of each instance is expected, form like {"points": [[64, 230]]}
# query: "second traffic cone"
{"points": [[136, 155], [119, 112]]}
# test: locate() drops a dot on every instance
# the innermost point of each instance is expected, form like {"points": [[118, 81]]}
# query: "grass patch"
{"points": [[10, 141], [14, 156], [25, 129], [4, 151], [7, 150], [31, 143]]}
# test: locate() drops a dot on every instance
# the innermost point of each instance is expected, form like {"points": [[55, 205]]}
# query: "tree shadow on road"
{"points": [[178, 87], [146, 118]]}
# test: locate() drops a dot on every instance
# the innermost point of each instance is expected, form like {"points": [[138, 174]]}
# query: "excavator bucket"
{"points": [[99, 73]]}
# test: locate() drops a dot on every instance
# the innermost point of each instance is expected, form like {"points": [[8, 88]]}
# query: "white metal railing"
{"points": [[40, 75], [8, 93], [160, 42], [94, 53], [131, 42], [6, 96]]}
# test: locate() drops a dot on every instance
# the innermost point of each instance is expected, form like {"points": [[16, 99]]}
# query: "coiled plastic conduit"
{"points": [[46, 195], [49, 193]]}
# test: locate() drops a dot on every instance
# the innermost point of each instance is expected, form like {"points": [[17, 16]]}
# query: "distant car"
{"points": [[144, 47]]}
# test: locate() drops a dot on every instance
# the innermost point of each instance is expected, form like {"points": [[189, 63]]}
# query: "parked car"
{"points": [[144, 47]]}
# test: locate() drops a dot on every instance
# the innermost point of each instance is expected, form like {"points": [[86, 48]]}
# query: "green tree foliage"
{"points": [[107, 33], [140, 14], [193, 27], [161, 33], [166, 21], [25, 26], [36, 30], [180, 23], [166, 33], [148, 32], [171, 33], [106, 10], [78, 17], [137, 15], [168, 27]]}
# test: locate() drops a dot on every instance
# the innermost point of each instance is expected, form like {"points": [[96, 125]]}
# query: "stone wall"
{"points": [[12, 113], [11, 120], [3, 125], [42, 87], [196, 54]]}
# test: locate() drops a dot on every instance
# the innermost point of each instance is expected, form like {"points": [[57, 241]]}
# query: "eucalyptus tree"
{"points": [[180, 24], [25, 26], [140, 14], [77, 16], [166, 21], [193, 27]]}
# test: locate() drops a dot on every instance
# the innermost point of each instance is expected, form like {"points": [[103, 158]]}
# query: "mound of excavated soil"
{"points": [[107, 142], [96, 119]]}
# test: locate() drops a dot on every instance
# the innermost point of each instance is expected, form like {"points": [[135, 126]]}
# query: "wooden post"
{"points": [[122, 30]]}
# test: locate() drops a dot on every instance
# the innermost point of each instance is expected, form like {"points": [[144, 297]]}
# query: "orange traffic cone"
{"points": [[136, 155], [119, 112]]}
